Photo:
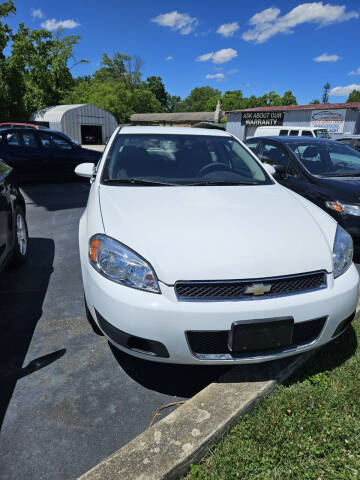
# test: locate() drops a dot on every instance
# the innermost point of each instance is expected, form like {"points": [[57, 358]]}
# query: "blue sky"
{"points": [[254, 46]]}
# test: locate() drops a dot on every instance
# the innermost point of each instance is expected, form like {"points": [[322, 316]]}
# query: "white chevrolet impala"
{"points": [[192, 253]]}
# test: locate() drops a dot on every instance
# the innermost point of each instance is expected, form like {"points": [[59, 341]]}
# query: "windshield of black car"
{"points": [[327, 158], [179, 159]]}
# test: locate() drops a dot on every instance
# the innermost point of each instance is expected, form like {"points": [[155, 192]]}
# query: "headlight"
{"points": [[344, 208], [120, 264], [342, 252]]}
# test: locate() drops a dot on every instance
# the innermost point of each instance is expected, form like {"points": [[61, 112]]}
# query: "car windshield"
{"points": [[177, 159], [327, 158]]}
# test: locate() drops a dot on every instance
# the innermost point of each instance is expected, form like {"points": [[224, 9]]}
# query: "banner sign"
{"points": [[257, 119], [333, 120]]}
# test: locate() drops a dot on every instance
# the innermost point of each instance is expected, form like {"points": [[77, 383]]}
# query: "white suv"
{"points": [[192, 253], [291, 131]]}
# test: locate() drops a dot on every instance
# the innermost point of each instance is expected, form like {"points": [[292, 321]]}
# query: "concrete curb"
{"points": [[166, 450]]}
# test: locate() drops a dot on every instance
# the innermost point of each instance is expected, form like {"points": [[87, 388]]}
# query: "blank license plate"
{"points": [[252, 335]]}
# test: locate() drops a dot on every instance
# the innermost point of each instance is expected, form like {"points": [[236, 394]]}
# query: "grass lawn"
{"points": [[308, 428]]}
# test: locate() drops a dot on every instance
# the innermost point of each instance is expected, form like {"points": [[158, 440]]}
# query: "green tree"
{"points": [[44, 59], [156, 86], [173, 103], [288, 98], [9, 94], [274, 99], [120, 68], [316, 101], [198, 98], [354, 96], [232, 100]]}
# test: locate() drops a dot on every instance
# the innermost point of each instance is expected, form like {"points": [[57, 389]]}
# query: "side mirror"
{"points": [[269, 168], [86, 170], [280, 169]]}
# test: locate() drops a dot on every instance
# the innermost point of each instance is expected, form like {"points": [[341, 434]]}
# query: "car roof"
{"points": [[348, 136], [293, 139], [173, 131]]}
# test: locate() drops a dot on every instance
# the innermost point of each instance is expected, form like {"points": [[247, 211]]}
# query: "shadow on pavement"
{"points": [[57, 196], [171, 379], [22, 293]]}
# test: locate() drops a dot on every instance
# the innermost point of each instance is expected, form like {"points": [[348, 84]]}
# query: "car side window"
{"points": [[29, 139], [277, 155], [45, 139], [252, 145], [306, 133], [294, 133], [61, 143], [283, 133], [347, 141], [13, 139], [49, 140]]}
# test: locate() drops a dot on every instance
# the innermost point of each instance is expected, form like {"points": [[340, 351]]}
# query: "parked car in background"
{"points": [[13, 229], [292, 131], [19, 125], [191, 253], [351, 140], [42, 154], [323, 171]]}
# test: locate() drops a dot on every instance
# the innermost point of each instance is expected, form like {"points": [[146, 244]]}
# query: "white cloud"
{"points": [[248, 85], [269, 22], [52, 24], [37, 13], [343, 91], [205, 57], [216, 76], [221, 56], [228, 29], [355, 72], [169, 58], [326, 58], [179, 22], [234, 70]]}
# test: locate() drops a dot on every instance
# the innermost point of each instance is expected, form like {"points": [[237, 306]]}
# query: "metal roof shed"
{"points": [[84, 123]]}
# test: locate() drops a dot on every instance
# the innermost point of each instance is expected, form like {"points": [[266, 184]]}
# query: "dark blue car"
{"points": [[42, 154]]}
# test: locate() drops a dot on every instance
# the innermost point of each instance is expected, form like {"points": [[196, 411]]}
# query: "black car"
{"points": [[352, 141], [42, 154], [324, 171], [14, 239]]}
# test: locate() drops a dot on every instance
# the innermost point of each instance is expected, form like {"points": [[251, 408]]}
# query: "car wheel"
{"points": [[91, 320], [21, 246]]}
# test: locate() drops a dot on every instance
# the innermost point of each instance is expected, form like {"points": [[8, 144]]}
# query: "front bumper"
{"points": [[164, 319]]}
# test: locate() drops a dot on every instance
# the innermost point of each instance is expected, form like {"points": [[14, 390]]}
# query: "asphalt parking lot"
{"points": [[67, 400]]}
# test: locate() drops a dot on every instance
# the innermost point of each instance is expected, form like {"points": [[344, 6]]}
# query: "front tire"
{"points": [[21, 246]]}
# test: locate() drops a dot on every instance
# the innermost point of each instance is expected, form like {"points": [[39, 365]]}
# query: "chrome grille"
{"points": [[236, 289]]}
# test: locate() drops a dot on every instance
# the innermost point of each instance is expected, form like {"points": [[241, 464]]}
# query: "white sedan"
{"points": [[192, 253]]}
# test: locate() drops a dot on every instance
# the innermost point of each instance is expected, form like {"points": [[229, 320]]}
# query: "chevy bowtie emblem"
{"points": [[258, 289]]}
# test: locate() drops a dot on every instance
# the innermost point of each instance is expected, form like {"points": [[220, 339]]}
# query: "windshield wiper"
{"points": [[136, 181], [219, 182]]}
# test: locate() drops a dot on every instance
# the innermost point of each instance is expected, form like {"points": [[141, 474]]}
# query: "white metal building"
{"points": [[338, 118], [84, 123]]}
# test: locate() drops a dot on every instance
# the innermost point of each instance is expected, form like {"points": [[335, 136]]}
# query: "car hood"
{"points": [[344, 188], [210, 233]]}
